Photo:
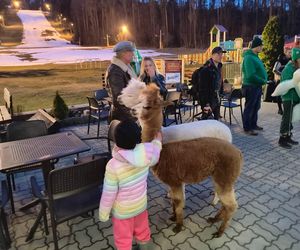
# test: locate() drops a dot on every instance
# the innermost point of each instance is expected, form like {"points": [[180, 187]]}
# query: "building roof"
{"points": [[221, 28]]}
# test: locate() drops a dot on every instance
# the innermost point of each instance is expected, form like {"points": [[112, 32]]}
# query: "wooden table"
{"points": [[17, 155]]}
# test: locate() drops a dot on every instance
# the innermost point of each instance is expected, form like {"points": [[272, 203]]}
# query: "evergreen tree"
{"points": [[273, 44], [60, 109]]}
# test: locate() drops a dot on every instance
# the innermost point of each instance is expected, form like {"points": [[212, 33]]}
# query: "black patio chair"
{"points": [[97, 111], [173, 109], [19, 130], [5, 240], [101, 94], [109, 138], [231, 101], [72, 191]]}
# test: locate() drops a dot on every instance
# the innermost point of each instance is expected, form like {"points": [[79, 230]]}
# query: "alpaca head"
{"points": [[150, 103], [130, 95]]}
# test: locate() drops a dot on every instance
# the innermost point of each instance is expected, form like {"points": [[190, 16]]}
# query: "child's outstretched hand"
{"points": [[158, 136]]}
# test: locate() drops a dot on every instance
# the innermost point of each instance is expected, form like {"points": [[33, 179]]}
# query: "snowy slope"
{"points": [[51, 49], [34, 24]]}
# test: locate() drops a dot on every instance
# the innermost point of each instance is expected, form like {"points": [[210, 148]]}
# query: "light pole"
{"points": [[16, 4], [2, 21], [107, 40], [72, 27], [124, 30], [160, 39]]}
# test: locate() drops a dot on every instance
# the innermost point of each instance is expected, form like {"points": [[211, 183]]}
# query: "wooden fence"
{"points": [[231, 72], [234, 56]]}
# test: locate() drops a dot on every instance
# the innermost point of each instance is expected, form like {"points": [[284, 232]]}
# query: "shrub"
{"points": [[273, 44], [60, 109]]}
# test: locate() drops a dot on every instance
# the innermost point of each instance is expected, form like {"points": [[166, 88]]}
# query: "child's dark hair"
{"points": [[127, 134]]}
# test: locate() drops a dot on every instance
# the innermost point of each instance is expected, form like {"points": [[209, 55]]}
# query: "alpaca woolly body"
{"points": [[285, 86], [193, 161], [194, 130]]}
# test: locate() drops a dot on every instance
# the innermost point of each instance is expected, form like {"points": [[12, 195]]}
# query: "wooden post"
{"points": [[160, 40], [107, 40]]}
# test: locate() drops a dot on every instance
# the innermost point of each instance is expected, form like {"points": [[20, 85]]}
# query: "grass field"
{"points": [[11, 33], [34, 87]]}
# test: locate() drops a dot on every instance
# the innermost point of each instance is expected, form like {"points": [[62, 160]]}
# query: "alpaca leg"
{"points": [[219, 216], [215, 199], [183, 191], [229, 207], [173, 217], [178, 204]]}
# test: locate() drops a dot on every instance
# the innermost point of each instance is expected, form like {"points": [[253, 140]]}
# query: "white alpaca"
{"points": [[285, 86], [130, 94]]}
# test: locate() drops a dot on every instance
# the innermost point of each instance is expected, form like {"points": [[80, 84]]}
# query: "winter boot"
{"points": [[291, 141], [283, 142], [146, 246]]}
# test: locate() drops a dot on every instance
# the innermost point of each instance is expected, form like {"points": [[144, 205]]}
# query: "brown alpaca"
{"points": [[191, 161], [194, 161]]}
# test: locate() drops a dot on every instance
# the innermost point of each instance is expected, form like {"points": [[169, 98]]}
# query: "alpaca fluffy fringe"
{"points": [[130, 95]]}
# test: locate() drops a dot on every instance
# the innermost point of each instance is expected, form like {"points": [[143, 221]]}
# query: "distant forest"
{"points": [[184, 23]]}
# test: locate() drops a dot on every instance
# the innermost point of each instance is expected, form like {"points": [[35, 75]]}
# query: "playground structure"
{"points": [[233, 49]]}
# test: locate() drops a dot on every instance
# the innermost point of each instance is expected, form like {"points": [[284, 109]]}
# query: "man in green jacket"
{"points": [[289, 100], [254, 77]]}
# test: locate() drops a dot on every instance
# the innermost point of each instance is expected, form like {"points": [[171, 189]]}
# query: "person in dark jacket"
{"points": [[254, 77], [117, 77], [282, 60], [210, 83], [149, 73]]}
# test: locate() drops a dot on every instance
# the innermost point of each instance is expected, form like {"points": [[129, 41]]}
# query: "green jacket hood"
{"points": [[247, 52]]}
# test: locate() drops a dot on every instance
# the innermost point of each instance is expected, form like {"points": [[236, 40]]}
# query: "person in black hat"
{"points": [[208, 82], [117, 77]]}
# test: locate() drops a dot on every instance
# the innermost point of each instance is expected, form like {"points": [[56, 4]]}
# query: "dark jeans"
{"points": [[286, 121], [215, 107], [252, 105], [278, 99]]}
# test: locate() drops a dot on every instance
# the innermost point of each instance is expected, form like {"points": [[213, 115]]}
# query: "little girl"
{"points": [[125, 186]]}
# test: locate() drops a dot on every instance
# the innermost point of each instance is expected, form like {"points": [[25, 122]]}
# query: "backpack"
{"points": [[194, 91]]}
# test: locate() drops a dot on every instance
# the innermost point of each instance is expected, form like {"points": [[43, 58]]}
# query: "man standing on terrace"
{"points": [[254, 77], [117, 77]]}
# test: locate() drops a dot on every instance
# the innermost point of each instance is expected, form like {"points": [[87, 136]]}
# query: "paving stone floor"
{"points": [[268, 193]]}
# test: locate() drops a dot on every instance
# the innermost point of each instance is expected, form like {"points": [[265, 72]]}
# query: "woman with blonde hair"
{"points": [[150, 73]]}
